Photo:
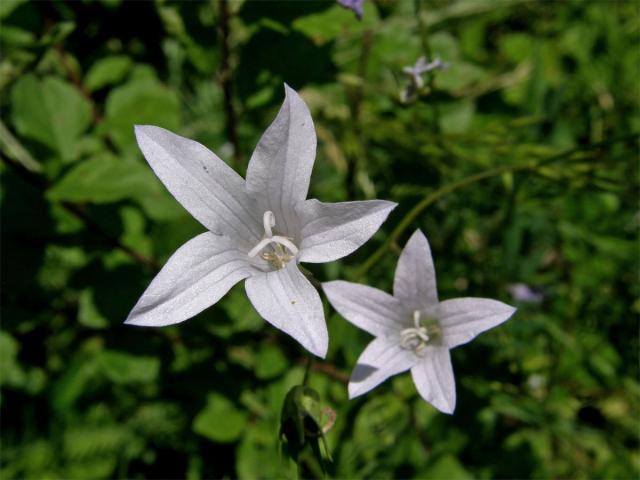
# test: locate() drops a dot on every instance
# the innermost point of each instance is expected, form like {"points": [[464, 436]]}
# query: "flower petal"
{"points": [[196, 276], [434, 379], [330, 231], [415, 277], [366, 307], [381, 359], [206, 186], [280, 168], [287, 300], [462, 319]]}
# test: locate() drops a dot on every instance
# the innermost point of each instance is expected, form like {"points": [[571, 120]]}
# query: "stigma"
{"points": [[417, 338], [275, 249]]}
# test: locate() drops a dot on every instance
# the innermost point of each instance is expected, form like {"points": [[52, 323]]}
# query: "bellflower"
{"points": [[258, 229], [356, 6], [521, 292], [421, 67], [414, 331]]}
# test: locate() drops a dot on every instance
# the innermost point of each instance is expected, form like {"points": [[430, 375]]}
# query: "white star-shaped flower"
{"points": [[421, 67], [413, 329], [258, 230]]}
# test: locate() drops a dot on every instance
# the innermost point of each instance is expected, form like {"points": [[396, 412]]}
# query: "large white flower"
{"points": [[413, 329], [258, 230]]}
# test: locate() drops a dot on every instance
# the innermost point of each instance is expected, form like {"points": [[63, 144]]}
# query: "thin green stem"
{"points": [[428, 53], [434, 196], [307, 370]]}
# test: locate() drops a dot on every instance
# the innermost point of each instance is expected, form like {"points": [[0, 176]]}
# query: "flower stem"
{"points": [[307, 370], [428, 53], [434, 196], [225, 77]]}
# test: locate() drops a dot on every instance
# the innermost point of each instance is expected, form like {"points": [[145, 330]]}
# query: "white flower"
{"points": [[413, 329], [421, 67], [258, 230]]}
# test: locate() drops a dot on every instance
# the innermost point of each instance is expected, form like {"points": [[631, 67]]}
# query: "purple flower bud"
{"points": [[521, 292], [354, 5]]}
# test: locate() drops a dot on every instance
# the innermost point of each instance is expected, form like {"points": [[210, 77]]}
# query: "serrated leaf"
{"points": [[52, 112], [220, 420]]}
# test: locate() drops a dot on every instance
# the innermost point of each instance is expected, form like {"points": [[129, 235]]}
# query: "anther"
{"points": [[415, 338]]}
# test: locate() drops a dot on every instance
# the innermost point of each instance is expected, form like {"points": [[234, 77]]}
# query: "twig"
{"points": [[28, 168], [332, 371], [445, 190], [95, 227], [426, 49], [310, 362], [225, 77], [72, 75], [355, 159]]}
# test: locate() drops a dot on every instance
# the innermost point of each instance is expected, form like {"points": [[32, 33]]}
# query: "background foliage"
{"points": [[85, 224]]}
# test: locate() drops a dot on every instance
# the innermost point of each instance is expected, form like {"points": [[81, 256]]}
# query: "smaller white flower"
{"points": [[414, 331], [420, 68]]}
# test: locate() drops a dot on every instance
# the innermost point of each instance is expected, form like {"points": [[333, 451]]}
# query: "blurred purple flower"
{"points": [[421, 67], [521, 292], [354, 5]]}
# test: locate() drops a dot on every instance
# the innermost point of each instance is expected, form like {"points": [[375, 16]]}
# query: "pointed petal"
{"points": [[206, 186], [381, 359], [280, 167], [462, 319], [196, 276], [330, 231], [287, 300], [415, 278], [368, 308], [434, 379]]}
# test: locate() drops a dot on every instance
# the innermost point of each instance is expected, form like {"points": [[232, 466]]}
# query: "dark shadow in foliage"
{"points": [[286, 57], [26, 228], [282, 12], [137, 25], [115, 290]]}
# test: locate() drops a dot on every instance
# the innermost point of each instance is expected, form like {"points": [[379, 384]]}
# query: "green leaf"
{"points": [[51, 112], [456, 117], [107, 71], [8, 6], [121, 367], [12, 373], [88, 314], [139, 102], [220, 420], [104, 179], [255, 454], [270, 363], [447, 467]]}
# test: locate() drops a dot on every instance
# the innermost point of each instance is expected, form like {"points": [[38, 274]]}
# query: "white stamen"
{"points": [[269, 221], [415, 338]]}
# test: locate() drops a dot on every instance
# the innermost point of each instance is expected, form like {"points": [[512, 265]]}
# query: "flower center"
{"points": [[276, 249], [417, 338]]}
